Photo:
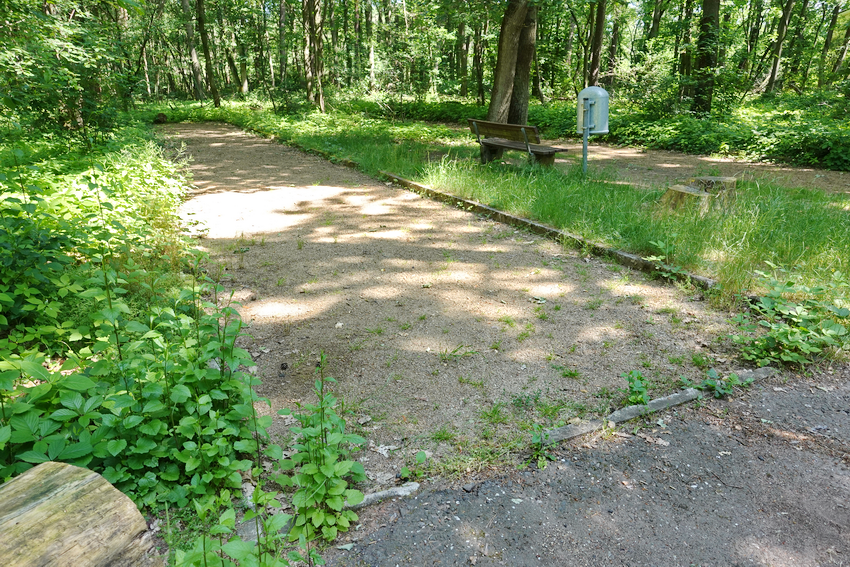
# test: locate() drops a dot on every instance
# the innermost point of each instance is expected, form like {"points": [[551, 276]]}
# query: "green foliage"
{"points": [[798, 322], [637, 391], [219, 544], [800, 130], [418, 469], [719, 387], [323, 471], [540, 453], [109, 357], [456, 354]]}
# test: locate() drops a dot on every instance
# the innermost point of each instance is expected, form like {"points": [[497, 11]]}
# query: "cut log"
{"points": [[60, 515]]}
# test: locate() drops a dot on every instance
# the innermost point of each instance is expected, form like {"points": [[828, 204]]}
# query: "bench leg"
{"points": [[546, 161], [489, 154]]}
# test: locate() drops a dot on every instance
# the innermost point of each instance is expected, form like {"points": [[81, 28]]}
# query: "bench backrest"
{"points": [[508, 131]]}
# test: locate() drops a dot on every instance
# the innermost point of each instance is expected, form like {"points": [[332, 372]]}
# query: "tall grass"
{"points": [[806, 231]]}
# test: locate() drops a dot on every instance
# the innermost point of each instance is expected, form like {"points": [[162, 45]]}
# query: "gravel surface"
{"points": [[761, 479], [432, 319]]}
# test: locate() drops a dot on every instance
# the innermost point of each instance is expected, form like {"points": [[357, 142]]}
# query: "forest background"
{"points": [[116, 349]]}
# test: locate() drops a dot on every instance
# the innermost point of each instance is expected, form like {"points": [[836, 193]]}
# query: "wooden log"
{"points": [[60, 515]]}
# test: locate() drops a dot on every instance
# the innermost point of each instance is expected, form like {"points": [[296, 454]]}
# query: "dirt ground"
{"points": [[648, 168], [451, 334]]}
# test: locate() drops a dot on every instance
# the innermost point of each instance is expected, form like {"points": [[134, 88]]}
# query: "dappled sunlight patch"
{"points": [[762, 552]]}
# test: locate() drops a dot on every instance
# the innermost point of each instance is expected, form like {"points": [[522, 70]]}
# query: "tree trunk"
{"points": [[193, 54], [205, 43], [518, 108], [657, 14], [313, 52], [613, 47], [795, 49], [843, 52], [776, 57], [707, 44], [478, 60], [281, 47], [503, 76], [596, 44], [827, 43]]}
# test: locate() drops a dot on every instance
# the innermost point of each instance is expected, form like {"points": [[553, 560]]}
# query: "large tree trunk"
{"points": [[776, 57], [503, 77], [707, 44], [193, 54], [205, 43], [596, 44], [518, 109]]}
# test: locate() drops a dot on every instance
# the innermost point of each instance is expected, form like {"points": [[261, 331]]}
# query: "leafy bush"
{"points": [[323, 468], [109, 357], [798, 322]]}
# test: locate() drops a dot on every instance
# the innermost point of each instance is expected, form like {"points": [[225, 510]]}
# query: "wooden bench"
{"points": [[494, 138]]}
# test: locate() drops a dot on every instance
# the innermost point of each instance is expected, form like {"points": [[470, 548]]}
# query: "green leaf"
{"points": [[36, 370], [75, 451], [180, 394], [239, 550], [77, 382], [115, 446], [132, 421], [32, 457], [353, 497]]}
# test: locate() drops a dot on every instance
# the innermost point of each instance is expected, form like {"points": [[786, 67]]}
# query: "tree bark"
{"points": [[596, 44], [843, 53], [281, 45], [776, 57], [65, 516], [205, 43], [827, 43], [707, 44], [503, 77], [193, 53], [313, 52], [518, 109]]}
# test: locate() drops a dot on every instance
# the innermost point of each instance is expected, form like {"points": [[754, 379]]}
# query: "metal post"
{"points": [[587, 114]]}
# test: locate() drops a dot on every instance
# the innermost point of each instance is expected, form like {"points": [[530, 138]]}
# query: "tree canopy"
{"points": [[73, 63]]}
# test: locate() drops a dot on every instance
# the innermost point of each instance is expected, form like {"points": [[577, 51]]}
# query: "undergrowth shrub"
{"points": [[110, 358], [796, 323]]}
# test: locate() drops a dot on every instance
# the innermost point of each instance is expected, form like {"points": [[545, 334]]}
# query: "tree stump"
{"points": [[679, 196], [60, 515], [715, 185], [722, 188]]}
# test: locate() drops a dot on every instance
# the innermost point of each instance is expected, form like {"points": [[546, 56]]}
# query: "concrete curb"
{"points": [[625, 258], [395, 492], [630, 412]]}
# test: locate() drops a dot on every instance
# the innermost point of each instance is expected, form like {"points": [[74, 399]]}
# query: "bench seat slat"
{"points": [[510, 144]]}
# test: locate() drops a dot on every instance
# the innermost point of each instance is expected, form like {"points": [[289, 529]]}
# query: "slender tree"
{"points": [[706, 63]]}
